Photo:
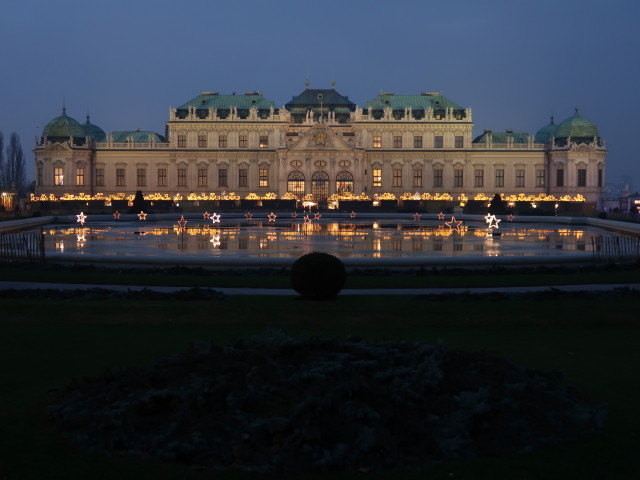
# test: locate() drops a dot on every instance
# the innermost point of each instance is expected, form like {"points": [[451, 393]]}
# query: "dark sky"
{"points": [[514, 63]]}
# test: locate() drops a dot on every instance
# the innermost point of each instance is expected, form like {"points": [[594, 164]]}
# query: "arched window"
{"points": [[295, 183], [344, 183], [320, 186]]}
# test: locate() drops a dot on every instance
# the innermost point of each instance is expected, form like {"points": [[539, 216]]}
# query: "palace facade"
{"points": [[321, 144]]}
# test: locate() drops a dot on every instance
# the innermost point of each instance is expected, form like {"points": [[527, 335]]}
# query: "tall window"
{"points": [[162, 177], [520, 177], [377, 141], [459, 141], [397, 177], [437, 177], [182, 141], [438, 141], [458, 179], [58, 176], [264, 141], [40, 175], [202, 141], [263, 177], [182, 177], [397, 141], [242, 141], [417, 141], [540, 174], [222, 177], [80, 176], [120, 177], [202, 177], [295, 183], [417, 177], [242, 177], [478, 179], [377, 177], [499, 177], [344, 183], [599, 177], [99, 177], [222, 141], [582, 177], [560, 177], [141, 177]]}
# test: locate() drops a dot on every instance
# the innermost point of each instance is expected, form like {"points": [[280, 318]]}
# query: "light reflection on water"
{"points": [[394, 238]]}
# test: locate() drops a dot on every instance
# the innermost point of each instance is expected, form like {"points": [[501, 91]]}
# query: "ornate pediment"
{"points": [[57, 147], [583, 147], [320, 138]]}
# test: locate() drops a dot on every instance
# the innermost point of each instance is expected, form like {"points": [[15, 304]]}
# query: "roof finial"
{"points": [[552, 120], [306, 82], [64, 106], [577, 111], [333, 81]]}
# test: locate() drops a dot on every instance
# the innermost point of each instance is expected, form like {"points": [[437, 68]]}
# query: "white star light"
{"points": [[81, 218], [493, 222], [215, 218]]}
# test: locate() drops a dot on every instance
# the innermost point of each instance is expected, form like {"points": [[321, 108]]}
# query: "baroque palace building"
{"points": [[318, 145]]}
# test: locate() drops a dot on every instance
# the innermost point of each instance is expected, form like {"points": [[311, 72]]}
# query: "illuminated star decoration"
{"points": [[441, 216], [416, 216], [272, 217], [489, 218], [455, 222], [294, 214], [182, 223], [307, 220], [352, 214], [206, 215], [142, 215], [510, 217], [116, 215], [215, 218], [248, 215], [493, 222], [81, 218], [316, 216]]}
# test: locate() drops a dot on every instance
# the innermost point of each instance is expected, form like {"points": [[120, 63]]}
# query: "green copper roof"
{"points": [[546, 133], [502, 137], [138, 137], [208, 100], [416, 102], [93, 131], [63, 127], [316, 97], [577, 127]]}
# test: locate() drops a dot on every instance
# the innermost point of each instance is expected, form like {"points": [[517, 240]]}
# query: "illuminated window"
{"points": [[222, 177], [582, 177], [377, 141], [499, 177], [80, 176], [295, 183], [202, 177], [99, 177], [58, 176], [417, 141], [119, 177], [397, 177], [377, 177], [182, 141], [263, 177], [417, 177], [141, 177], [437, 177], [264, 141], [438, 141], [540, 175], [478, 180], [162, 177], [397, 141], [242, 141], [222, 141], [520, 177], [202, 141], [182, 177], [458, 177], [560, 177], [242, 177], [459, 141]]}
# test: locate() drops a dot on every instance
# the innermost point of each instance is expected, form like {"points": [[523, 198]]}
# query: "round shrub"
{"points": [[318, 276]]}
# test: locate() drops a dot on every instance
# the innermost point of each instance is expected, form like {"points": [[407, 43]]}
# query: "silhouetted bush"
{"points": [[318, 276]]}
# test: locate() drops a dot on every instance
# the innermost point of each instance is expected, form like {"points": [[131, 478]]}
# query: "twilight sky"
{"points": [[515, 63]]}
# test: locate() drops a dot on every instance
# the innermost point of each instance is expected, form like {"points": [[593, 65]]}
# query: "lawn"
{"points": [[44, 345]]}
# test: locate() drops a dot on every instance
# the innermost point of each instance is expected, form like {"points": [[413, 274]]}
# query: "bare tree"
{"points": [[14, 170]]}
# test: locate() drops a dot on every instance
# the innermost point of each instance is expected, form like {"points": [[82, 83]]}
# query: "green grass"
{"points": [[280, 278], [44, 345]]}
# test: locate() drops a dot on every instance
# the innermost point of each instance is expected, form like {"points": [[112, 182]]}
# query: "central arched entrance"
{"points": [[295, 183], [320, 186], [344, 183]]}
